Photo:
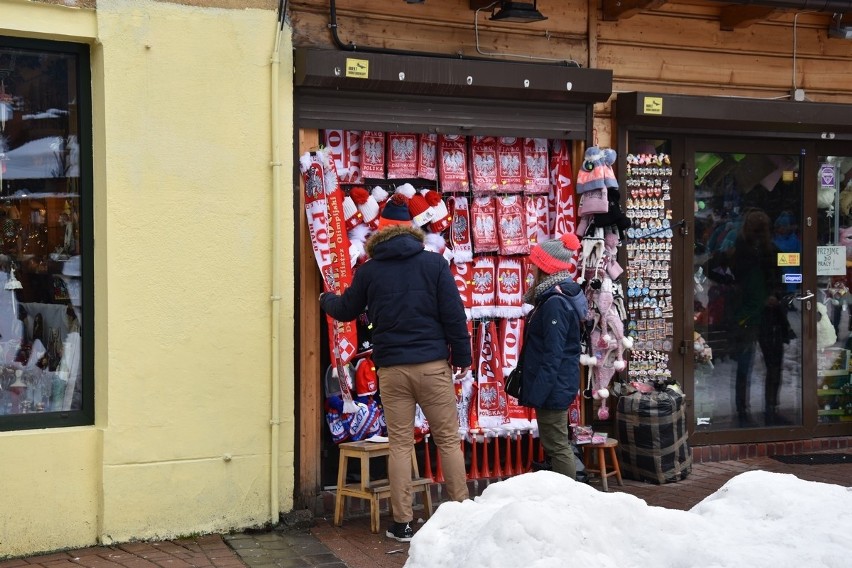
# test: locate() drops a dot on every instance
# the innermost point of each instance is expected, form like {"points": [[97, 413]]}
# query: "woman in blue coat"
{"points": [[552, 347]]}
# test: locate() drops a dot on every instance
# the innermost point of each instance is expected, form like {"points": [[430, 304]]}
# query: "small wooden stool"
{"points": [[372, 490], [610, 444]]}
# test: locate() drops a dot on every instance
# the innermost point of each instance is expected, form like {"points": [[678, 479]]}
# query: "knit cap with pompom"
{"points": [[556, 255]]}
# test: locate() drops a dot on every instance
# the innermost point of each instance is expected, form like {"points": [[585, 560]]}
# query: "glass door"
{"points": [[832, 298], [747, 284]]}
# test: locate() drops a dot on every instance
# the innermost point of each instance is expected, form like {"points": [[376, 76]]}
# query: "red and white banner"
{"points": [[511, 337], [483, 213], [373, 154], [452, 152], [510, 284], [537, 219], [483, 164], [484, 289], [345, 149], [460, 240], [510, 165], [536, 174], [562, 198], [402, 156], [512, 225], [463, 276], [427, 161], [491, 401]]}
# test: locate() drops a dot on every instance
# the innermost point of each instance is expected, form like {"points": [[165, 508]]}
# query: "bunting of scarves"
{"points": [[491, 396], [324, 210], [562, 209]]}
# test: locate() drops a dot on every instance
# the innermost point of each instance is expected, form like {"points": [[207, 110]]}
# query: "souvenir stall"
{"points": [[483, 202]]}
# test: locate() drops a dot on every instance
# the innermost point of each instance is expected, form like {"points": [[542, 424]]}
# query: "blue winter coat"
{"points": [[552, 348], [410, 298]]}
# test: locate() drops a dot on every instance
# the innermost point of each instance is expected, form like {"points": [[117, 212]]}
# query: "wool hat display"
{"points": [[592, 174], [421, 212], [395, 212], [442, 219], [556, 254], [351, 215], [367, 206]]}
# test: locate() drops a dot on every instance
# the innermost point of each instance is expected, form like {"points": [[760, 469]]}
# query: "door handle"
{"points": [[808, 295]]}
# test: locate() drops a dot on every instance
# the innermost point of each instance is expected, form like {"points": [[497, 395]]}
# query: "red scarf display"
{"points": [[460, 230], [463, 275], [427, 162], [453, 164], [345, 149], [512, 225], [511, 337], [562, 210], [537, 219], [483, 212], [510, 284], [510, 165], [484, 288], [373, 154], [491, 401], [536, 174], [483, 164], [402, 156]]}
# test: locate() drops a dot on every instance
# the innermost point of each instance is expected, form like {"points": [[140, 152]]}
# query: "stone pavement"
{"points": [[353, 546]]}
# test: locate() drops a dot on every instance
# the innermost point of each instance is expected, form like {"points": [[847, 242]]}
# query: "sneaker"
{"points": [[400, 531]]}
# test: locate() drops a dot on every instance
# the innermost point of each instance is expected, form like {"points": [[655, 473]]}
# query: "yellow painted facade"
{"points": [[183, 195]]}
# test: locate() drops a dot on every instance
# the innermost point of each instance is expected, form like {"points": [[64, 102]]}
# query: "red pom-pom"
{"points": [[399, 199], [359, 195], [570, 241], [433, 198]]}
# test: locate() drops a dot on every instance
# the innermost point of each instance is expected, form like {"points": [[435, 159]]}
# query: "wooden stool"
{"points": [[610, 444], [372, 490]]}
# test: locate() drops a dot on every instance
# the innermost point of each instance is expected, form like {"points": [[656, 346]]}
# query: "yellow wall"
{"points": [[183, 241]]}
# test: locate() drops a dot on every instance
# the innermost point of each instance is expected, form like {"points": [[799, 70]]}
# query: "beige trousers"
{"points": [[431, 386]]}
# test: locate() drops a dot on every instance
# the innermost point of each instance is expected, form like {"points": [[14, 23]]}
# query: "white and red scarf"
{"points": [[460, 240], [510, 288], [537, 219], [491, 399], [402, 155], [562, 198], [511, 338], [373, 154], [510, 165], [453, 163], [427, 161], [345, 149], [483, 294], [536, 174], [463, 277], [483, 164], [483, 213], [512, 225]]}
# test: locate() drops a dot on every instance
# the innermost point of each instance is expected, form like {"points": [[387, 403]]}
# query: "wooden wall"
{"points": [[676, 47]]}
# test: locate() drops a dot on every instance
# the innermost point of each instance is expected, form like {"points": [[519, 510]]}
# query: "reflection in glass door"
{"points": [[834, 252], [747, 275]]}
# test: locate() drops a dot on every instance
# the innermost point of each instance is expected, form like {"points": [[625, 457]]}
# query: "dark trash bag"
{"points": [[652, 437]]}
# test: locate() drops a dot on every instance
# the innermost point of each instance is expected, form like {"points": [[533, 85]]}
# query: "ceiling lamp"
{"points": [[520, 12]]}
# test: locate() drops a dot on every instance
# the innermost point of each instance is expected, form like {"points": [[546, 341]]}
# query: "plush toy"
{"points": [[846, 200], [826, 336]]}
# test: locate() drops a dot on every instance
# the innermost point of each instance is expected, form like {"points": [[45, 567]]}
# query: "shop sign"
{"points": [[357, 68], [831, 261]]}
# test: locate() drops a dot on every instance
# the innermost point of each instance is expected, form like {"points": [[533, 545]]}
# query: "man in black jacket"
{"points": [[419, 325]]}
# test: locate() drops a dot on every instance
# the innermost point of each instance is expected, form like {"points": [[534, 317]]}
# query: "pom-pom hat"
{"points": [[395, 212], [367, 206], [442, 219], [351, 215], [555, 255]]}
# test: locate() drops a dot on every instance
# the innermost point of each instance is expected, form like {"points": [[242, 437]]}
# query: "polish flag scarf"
{"points": [[345, 149], [510, 165], [483, 212], [537, 219], [491, 399], [460, 240], [536, 174], [511, 337], [512, 225], [373, 156], [453, 163], [510, 285], [529, 282], [427, 162], [463, 276], [562, 197], [402, 155], [483, 163], [484, 289]]}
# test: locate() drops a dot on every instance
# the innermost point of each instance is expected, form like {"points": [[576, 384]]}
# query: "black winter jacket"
{"points": [[552, 348], [410, 298]]}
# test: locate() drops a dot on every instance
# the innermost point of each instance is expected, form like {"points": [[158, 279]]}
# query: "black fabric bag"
{"points": [[515, 380]]}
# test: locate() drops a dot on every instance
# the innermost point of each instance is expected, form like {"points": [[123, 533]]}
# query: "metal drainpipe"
{"points": [[275, 363]]}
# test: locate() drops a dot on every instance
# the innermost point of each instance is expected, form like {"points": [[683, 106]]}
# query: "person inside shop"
{"points": [[419, 331], [759, 313], [552, 347]]}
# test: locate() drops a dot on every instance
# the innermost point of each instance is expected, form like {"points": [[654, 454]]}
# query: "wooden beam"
{"points": [[622, 9], [308, 392], [738, 17]]}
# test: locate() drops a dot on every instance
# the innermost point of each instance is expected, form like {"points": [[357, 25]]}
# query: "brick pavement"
{"points": [[353, 546]]}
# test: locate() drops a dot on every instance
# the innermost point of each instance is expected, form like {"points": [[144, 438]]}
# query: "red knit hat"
{"points": [[556, 255], [442, 219], [367, 206]]}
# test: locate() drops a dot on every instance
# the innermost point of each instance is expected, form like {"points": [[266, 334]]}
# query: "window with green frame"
{"points": [[46, 349]]}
